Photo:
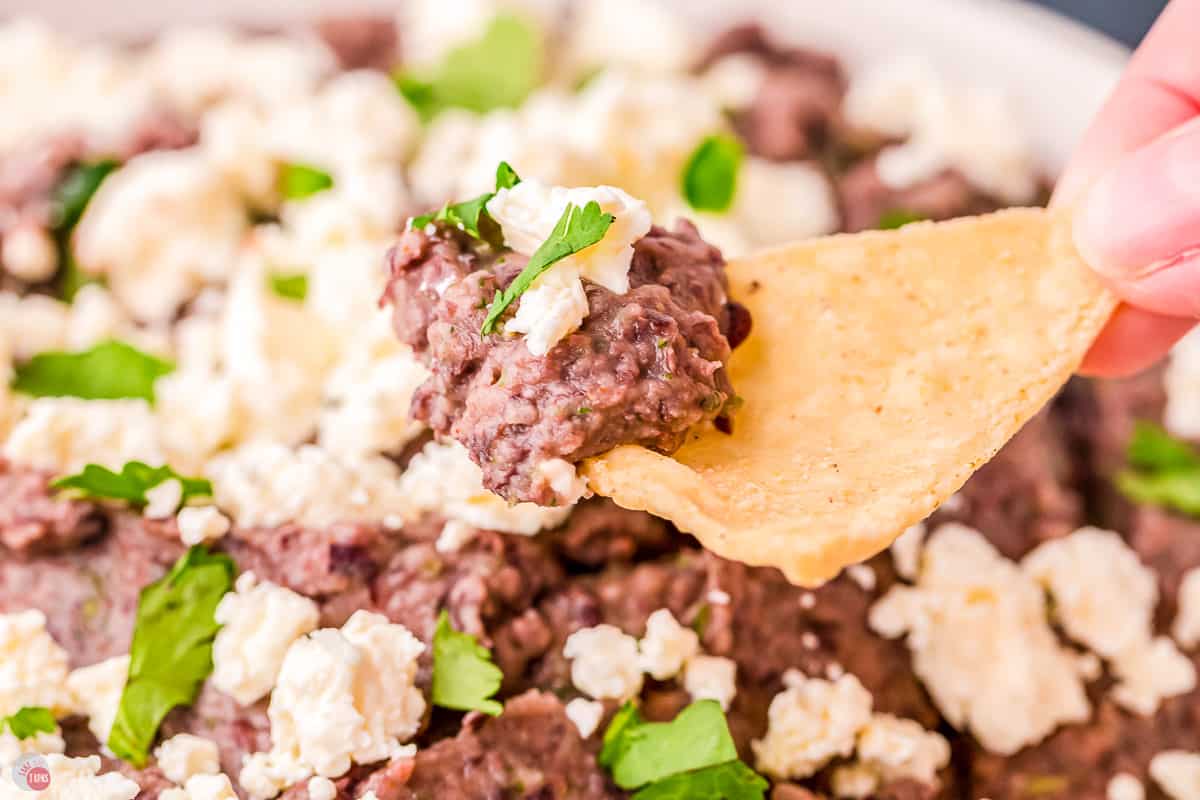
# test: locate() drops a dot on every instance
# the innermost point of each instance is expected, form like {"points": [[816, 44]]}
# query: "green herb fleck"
{"points": [[710, 175], [171, 653], [506, 176], [897, 218], [703, 616], [498, 70], [298, 181], [731, 780], [471, 215], [130, 484], [29, 721], [111, 370], [1038, 785], [289, 285], [1162, 471], [583, 411], [464, 677], [577, 229], [67, 204], [640, 752]]}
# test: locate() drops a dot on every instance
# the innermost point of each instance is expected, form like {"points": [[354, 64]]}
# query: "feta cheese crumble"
{"points": [[199, 524], [260, 621], [1177, 772], [906, 551], [556, 304], [981, 642], [890, 749], [585, 715], [1181, 382], [667, 645], [33, 667], [96, 693], [73, 779], [1124, 786], [810, 723], [1186, 627], [605, 662], [711, 678], [185, 755], [63, 434], [202, 787]]}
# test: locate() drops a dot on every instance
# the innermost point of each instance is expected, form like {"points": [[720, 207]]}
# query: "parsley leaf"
{"points": [[710, 175], [642, 752], [464, 677], [67, 204], [111, 370], [470, 215], [577, 229], [29, 721], [1163, 471], [171, 653], [130, 484], [895, 218], [289, 286], [506, 176], [498, 70], [731, 780], [298, 181]]}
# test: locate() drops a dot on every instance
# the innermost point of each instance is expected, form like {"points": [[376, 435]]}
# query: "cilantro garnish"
{"points": [[464, 677], [29, 721], [710, 176], [577, 229], [641, 753], [731, 780], [470, 215], [498, 70], [895, 218], [111, 370], [298, 181], [289, 286], [67, 204], [171, 653], [1162, 471], [130, 484]]}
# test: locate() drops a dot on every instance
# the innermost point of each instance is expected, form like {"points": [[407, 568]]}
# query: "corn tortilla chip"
{"points": [[884, 368]]}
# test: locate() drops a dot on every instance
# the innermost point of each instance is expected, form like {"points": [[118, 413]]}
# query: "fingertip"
{"points": [[1132, 340]]}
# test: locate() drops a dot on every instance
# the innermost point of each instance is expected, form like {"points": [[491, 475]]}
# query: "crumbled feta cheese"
{"points": [[33, 667], [266, 484], [604, 662], [454, 535], [718, 597], [711, 678], [585, 714], [667, 645], [260, 621], [202, 787], [863, 575], [12, 748], [1151, 673], [33, 323], [854, 780], [163, 500], [200, 524], [96, 693], [555, 303], [977, 628], [1181, 383], [321, 788], [906, 551], [1103, 596], [29, 254], [343, 696], [974, 131], [72, 779], [810, 723], [185, 755], [63, 434], [629, 34], [159, 228], [777, 203], [1186, 628], [442, 479], [1177, 772], [1124, 786], [808, 601], [893, 748], [734, 80]]}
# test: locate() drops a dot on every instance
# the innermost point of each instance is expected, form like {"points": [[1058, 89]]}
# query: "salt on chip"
{"points": [[884, 368]]}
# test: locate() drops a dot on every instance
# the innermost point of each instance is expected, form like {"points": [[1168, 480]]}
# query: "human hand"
{"points": [[1136, 181]]}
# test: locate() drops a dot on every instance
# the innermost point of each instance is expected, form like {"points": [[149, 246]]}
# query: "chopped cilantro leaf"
{"points": [[130, 484], [171, 654], [29, 721], [464, 677], [497, 70], [1163, 471], [67, 204], [577, 229], [506, 176], [471, 215], [289, 286], [644, 752], [897, 218], [731, 780], [710, 175], [111, 370], [298, 181]]}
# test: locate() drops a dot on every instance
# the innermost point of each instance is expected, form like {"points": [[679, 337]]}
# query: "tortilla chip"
{"points": [[884, 368]]}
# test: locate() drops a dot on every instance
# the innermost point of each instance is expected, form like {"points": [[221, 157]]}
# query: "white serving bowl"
{"points": [[1058, 71]]}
